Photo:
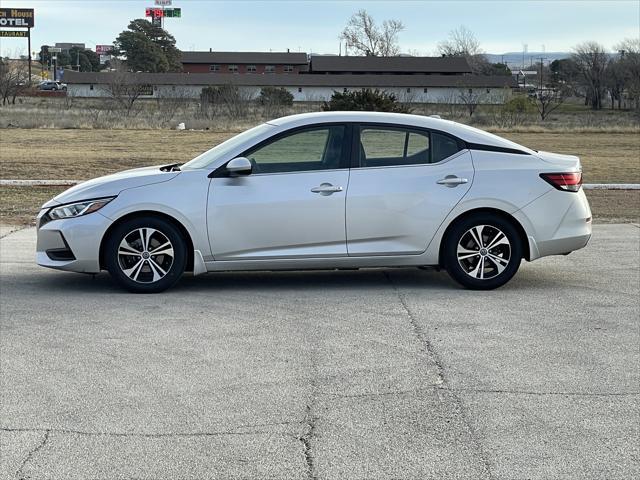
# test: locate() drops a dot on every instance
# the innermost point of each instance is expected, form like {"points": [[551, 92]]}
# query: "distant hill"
{"points": [[514, 60]]}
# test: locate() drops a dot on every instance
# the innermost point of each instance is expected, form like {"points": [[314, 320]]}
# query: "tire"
{"points": [[135, 267], [476, 267]]}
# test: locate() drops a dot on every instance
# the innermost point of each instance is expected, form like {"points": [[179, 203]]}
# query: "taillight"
{"points": [[567, 182]]}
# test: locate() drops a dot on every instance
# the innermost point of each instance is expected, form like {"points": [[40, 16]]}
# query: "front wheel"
{"points": [[146, 255], [482, 252]]}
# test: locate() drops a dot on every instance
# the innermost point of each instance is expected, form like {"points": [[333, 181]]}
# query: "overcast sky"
{"points": [[314, 26]]}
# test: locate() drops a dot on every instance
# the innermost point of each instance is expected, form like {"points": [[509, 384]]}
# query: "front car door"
{"points": [[292, 205], [405, 181]]}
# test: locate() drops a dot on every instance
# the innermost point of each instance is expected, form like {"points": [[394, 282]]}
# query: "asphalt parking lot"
{"points": [[324, 375]]}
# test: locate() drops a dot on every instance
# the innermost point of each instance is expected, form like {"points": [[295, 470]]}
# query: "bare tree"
{"points": [[629, 61], [124, 89], [548, 100], [463, 43], [14, 79], [366, 38], [592, 60], [470, 99]]}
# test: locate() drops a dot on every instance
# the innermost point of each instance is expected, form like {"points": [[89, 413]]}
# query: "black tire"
{"points": [[468, 271], [155, 273]]}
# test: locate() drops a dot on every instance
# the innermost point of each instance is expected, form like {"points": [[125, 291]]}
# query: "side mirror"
{"points": [[239, 166]]}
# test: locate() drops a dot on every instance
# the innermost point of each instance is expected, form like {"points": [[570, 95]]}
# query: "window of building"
{"points": [[299, 89], [304, 150], [471, 90], [488, 91], [91, 87], [408, 90], [214, 68], [288, 68], [251, 69], [269, 69], [345, 90], [233, 68], [425, 90]]}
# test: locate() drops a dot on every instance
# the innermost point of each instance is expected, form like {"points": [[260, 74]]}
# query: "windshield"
{"points": [[219, 151]]}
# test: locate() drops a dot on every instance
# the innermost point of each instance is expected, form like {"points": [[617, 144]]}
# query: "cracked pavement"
{"points": [[324, 375]]}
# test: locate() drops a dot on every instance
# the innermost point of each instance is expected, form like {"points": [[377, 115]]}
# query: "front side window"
{"points": [[214, 68], [393, 146], [288, 68], [319, 148], [233, 68], [270, 69], [251, 69]]}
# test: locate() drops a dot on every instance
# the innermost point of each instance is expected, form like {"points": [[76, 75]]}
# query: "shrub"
{"points": [[519, 104], [270, 96], [365, 100]]}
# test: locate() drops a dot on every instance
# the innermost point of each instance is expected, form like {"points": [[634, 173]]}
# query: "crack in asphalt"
{"points": [[233, 431], [19, 473], [430, 351], [305, 438], [15, 231]]}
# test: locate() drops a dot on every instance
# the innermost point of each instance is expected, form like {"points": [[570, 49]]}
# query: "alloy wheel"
{"points": [[483, 252], [145, 255]]}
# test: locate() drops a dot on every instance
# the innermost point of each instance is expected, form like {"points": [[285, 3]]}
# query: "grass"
{"points": [[84, 154]]}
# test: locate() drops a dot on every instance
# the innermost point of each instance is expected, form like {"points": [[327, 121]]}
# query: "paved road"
{"points": [[335, 375]]}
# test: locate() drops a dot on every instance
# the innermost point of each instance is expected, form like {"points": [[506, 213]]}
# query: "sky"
{"points": [[315, 26]]}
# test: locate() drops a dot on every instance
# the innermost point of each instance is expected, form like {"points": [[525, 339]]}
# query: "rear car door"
{"points": [[292, 205], [403, 184]]}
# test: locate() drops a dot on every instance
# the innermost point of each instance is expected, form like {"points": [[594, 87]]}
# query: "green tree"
{"points": [[148, 48], [366, 100], [88, 59]]}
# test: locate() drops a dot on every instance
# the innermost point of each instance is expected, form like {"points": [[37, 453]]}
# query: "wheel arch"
{"points": [[147, 214], [522, 234]]}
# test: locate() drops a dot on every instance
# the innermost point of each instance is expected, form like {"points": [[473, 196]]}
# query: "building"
{"points": [[66, 46], [340, 65], [244, 62], [432, 88]]}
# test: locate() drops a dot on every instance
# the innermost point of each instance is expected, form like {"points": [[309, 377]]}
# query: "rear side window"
{"points": [[393, 146], [443, 147]]}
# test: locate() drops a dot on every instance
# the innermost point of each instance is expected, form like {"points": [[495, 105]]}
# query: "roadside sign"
{"points": [[14, 34], [103, 49], [163, 3], [55, 50], [16, 17], [163, 12]]}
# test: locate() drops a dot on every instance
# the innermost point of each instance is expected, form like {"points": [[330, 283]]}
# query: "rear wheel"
{"points": [[146, 255], [482, 252]]}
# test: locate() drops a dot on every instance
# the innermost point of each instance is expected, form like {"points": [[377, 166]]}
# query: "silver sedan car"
{"points": [[326, 191]]}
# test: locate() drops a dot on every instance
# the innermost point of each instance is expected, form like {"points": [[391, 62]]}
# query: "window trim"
{"points": [[355, 140], [345, 161]]}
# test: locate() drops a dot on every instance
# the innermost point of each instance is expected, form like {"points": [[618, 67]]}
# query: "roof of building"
{"points": [[263, 80], [332, 63], [259, 58]]}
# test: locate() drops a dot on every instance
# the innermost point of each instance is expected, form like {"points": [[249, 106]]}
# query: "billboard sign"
{"points": [[16, 17], [14, 34], [163, 3], [103, 49], [163, 12]]}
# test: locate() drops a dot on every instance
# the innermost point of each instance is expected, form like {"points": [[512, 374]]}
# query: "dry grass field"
{"points": [[83, 154]]}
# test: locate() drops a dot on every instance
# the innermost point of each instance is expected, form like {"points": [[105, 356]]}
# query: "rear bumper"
{"points": [[72, 244], [556, 223]]}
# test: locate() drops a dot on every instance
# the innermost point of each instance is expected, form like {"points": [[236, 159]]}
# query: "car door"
{"points": [[405, 181], [292, 205]]}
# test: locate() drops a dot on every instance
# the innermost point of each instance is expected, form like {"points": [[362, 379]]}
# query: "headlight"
{"points": [[76, 209]]}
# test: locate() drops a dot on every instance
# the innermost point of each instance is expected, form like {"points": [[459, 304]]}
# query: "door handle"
{"points": [[452, 181], [326, 189]]}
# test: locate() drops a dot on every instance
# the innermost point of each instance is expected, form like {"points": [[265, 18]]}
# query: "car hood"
{"points": [[111, 185]]}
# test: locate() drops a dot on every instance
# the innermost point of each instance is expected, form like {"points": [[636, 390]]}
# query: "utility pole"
{"points": [[542, 59]]}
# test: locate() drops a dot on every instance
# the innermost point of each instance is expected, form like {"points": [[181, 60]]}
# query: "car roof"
{"points": [[464, 132]]}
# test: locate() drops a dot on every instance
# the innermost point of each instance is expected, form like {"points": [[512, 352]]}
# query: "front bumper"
{"points": [[71, 244]]}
